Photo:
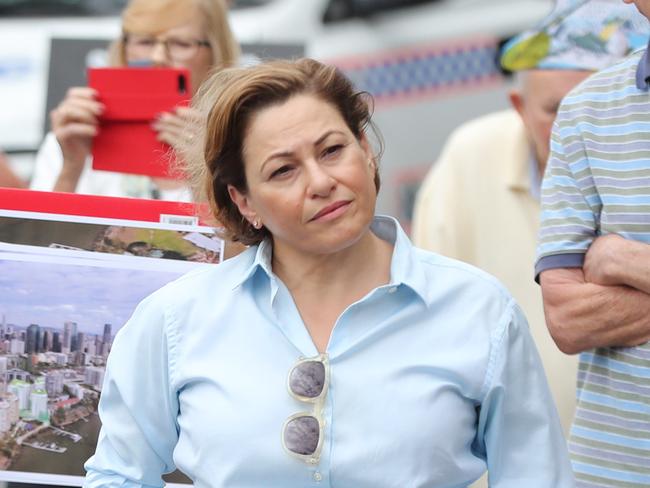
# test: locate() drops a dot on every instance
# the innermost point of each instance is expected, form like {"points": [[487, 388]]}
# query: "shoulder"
{"points": [[468, 305], [191, 298], [165, 319], [462, 285], [483, 144], [475, 149], [205, 283], [605, 89], [482, 130], [618, 76]]}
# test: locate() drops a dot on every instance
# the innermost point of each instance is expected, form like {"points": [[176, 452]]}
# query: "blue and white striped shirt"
{"points": [[598, 182]]}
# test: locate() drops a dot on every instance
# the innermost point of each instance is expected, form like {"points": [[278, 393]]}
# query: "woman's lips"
{"points": [[331, 211]]}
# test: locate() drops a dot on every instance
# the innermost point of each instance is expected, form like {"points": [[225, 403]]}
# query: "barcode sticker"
{"points": [[179, 219]]}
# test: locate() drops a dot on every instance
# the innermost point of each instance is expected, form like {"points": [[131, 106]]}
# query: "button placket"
{"points": [[320, 475]]}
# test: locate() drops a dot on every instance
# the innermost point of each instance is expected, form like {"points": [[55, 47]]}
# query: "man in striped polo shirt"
{"points": [[594, 266]]}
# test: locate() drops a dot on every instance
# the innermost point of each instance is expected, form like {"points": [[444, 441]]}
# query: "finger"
{"points": [[72, 114], [72, 110], [70, 131], [170, 137], [89, 105], [170, 121], [81, 92], [177, 137], [188, 113], [183, 131]]}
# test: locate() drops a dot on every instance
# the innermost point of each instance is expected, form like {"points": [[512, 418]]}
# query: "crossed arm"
{"points": [[606, 302]]}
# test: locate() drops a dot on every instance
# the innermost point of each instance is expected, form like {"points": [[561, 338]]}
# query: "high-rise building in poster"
{"points": [[22, 390], [107, 334], [38, 403], [47, 340], [81, 342], [32, 345], [17, 347], [69, 337], [95, 377], [56, 342], [5, 416], [54, 383]]}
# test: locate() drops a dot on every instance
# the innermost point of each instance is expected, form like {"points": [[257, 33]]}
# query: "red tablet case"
{"points": [[133, 98]]}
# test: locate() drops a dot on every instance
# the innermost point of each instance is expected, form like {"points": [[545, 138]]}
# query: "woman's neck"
{"points": [[361, 266], [323, 286]]}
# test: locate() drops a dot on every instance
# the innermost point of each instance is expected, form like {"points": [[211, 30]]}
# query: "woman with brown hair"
{"points": [[331, 352], [190, 34]]}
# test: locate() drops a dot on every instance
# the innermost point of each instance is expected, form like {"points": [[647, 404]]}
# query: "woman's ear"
{"points": [[243, 204]]}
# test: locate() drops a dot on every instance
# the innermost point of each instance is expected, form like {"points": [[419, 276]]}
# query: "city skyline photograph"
{"points": [[49, 401], [50, 291]]}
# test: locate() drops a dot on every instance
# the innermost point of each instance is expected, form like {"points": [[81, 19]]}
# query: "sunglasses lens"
{"points": [[307, 379], [301, 435]]}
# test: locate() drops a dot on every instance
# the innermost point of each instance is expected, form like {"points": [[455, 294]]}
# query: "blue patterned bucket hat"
{"points": [[580, 35]]}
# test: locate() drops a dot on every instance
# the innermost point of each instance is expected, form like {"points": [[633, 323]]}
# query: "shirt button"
{"points": [[317, 476], [392, 289]]}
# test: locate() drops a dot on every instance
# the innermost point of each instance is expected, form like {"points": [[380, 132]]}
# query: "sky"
{"points": [[51, 293]]}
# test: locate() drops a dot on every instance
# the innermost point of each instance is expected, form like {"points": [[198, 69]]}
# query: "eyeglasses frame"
{"points": [[198, 43], [317, 410]]}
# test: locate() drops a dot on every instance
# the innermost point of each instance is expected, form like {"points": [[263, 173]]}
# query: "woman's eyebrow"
{"points": [[289, 153]]}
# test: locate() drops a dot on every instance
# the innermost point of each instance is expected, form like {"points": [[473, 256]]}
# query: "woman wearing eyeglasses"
{"points": [[190, 34], [331, 352]]}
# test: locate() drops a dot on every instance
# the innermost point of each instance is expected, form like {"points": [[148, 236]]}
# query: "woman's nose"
{"points": [[159, 56], [321, 183]]}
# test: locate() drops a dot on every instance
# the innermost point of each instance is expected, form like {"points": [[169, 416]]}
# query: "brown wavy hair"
{"points": [[230, 98]]}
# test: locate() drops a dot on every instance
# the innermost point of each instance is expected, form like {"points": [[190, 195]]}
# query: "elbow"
{"points": [[563, 331], [564, 309]]}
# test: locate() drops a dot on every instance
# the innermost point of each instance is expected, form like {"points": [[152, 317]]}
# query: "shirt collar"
{"points": [[643, 72], [404, 269], [262, 260]]}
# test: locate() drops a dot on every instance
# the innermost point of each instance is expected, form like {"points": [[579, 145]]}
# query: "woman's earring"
{"points": [[257, 224], [371, 163]]}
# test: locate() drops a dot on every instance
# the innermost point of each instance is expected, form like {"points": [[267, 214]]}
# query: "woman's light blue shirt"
{"points": [[434, 378]]}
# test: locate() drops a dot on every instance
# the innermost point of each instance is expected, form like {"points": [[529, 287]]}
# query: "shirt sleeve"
{"points": [[138, 408], [519, 428], [47, 165], [570, 202]]}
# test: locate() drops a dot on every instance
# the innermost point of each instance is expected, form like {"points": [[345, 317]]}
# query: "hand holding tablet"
{"points": [[143, 113]]}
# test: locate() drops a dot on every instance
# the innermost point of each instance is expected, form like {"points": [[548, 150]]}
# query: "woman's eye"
{"points": [[332, 150], [146, 42], [179, 44], [283, 170]]}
